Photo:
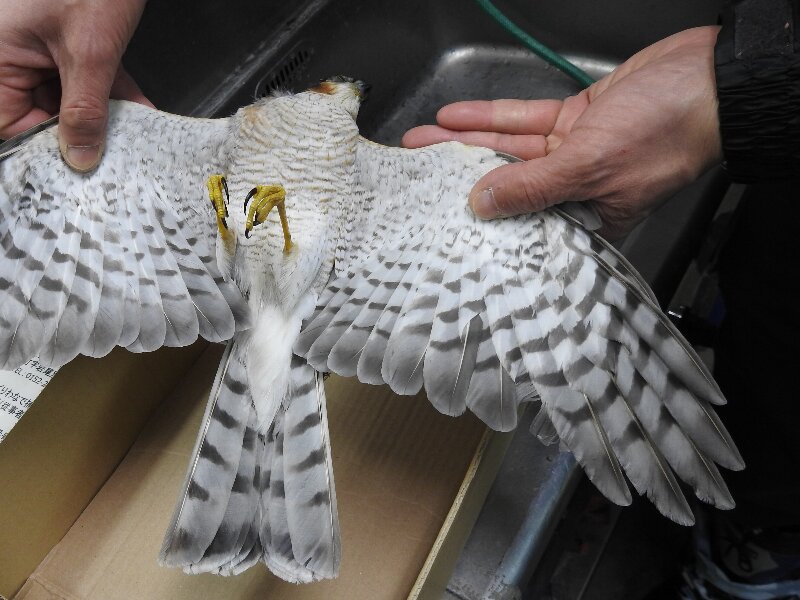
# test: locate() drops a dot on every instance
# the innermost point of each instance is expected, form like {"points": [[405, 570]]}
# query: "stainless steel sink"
{"points": [[417, 55], [206, 58]]}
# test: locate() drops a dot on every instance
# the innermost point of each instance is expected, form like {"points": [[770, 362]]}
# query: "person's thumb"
{"points": [[519, 188], [83, 116]]}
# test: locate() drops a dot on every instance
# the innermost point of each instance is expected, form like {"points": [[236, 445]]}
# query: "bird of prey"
{"points": [[309, 249]]}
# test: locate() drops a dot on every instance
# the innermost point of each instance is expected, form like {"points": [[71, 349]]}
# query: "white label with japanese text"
{"points": [[18, 389]]}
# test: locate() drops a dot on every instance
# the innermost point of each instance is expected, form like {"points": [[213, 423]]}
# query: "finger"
{"points": [[572, 108], [28, 120], [521, 146], [503, 116], [85, 83], [525, 187], [17, 111], [425, 135], [126, 88], [47, 96]]}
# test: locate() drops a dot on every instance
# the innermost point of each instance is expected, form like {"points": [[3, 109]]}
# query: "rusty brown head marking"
{"points": [[325, 87]]}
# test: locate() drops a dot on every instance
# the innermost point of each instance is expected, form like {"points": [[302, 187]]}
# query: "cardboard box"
{"points": [[82, 516]]}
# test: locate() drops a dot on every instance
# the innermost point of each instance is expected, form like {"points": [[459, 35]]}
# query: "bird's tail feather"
{"points": [[251, 496], [222, 460], [300, 523]]}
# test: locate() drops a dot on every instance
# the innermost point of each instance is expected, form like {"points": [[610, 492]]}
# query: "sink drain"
{"points": [[286, 73]]}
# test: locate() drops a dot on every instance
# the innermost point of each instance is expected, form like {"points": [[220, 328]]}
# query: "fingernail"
{"points": [[83, 158], [484, 205]]}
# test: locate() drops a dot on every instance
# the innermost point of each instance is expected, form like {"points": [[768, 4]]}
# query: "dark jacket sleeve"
{"points": [[758, 86]]}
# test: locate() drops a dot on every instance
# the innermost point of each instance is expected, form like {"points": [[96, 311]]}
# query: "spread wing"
{"points": [[120, 256], [485, 315]]}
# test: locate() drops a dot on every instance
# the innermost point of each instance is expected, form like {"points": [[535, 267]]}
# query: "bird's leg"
{"points": [[265, 198], [216, 186]]}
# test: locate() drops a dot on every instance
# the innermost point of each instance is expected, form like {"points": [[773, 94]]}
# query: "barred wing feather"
{"points": [[423, 294], [123, 255]]}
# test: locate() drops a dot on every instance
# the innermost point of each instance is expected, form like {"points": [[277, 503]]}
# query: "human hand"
{"points": [[81, 42], [626, 143]]}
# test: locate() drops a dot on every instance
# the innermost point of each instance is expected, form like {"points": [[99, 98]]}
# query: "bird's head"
{"points": [[346, 91]]}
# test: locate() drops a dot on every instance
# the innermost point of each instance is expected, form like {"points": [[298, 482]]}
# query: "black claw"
{"points": [[249, 195], [246, 234], [227, 196]]}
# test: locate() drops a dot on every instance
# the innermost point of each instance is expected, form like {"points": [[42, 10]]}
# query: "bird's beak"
{"points": [[362, 88]]}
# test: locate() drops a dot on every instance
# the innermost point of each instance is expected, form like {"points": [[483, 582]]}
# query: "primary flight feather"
{"points": [[311, 249]]}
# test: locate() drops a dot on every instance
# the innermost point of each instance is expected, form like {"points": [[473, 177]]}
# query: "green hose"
{"points": [[555, 59]]}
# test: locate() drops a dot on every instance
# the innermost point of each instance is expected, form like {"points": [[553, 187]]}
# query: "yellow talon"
{"points": [[216, 186], [265, 198]]}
